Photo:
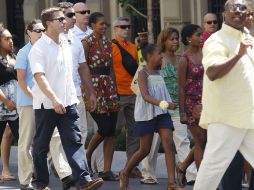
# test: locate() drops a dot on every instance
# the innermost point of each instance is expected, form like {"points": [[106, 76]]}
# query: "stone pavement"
{"points": [[118, 163]]}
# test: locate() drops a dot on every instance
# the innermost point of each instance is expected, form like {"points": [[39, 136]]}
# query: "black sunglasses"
{"points": [[124, 27], [212, 21], [233, 7], [59, 19], [84, 12], [250, 14], [70, 14], [38, 30]]}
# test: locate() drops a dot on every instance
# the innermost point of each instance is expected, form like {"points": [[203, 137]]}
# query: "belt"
{"points": [[100, 71]]}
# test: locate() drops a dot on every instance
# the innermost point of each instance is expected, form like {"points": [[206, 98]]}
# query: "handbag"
{"points": [[128, 61]]}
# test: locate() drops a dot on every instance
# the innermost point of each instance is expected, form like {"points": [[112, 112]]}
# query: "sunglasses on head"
{"points": [[59, 19], [84, 12], [39, 30], [124, 26], [233, 7], [212, 21], [70, 14]]}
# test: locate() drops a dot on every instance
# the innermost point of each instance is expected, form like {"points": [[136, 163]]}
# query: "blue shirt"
{"points": [[22, 62]]}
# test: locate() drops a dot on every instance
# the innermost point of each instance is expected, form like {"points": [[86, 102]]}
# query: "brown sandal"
{"points": [[123, 181], [174, 187], [180, 175]]}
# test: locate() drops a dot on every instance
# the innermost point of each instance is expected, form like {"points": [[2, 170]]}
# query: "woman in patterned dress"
{"points": [[190, 81], [99, 59], [8, 112]]}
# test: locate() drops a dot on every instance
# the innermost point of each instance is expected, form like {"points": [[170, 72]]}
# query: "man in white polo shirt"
{"points": [[55, 102], [228, 91]]}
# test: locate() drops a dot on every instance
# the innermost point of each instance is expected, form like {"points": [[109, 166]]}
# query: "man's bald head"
{"points": [[82, 13]]}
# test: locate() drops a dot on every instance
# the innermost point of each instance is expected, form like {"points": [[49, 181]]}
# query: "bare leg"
{"points": [[95, 141], [168, 146], [5, 151], [108, 151]]}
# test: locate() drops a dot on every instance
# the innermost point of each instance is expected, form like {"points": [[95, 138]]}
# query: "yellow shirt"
{"points": [[230, 99]]}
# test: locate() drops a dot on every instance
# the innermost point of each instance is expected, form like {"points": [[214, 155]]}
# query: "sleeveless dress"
{"points": [[104, 85], [145, 113], [193, 89]]}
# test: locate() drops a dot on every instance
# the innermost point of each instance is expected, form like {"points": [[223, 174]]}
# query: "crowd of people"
{"points": [[70, 71]]}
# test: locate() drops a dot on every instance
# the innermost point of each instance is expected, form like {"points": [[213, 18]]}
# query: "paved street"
{"points": [[118, 163]]}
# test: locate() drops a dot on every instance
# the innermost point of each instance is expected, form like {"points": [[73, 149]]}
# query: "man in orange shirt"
{"points": [[123, 80]]}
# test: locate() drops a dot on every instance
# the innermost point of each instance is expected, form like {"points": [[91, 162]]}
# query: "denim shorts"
{"points": [[149, 127]]}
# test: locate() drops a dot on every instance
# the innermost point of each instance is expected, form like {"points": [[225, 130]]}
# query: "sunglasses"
{"points": [[84, 12], [38, 30], [233, 7], [212, 21], [70, 14], [124, 27], [59, 19]]}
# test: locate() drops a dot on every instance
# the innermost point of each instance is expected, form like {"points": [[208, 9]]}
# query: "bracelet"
{"points": [[163, 104]]}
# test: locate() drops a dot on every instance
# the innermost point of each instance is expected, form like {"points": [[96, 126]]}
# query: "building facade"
{"points": [[176, 13]]}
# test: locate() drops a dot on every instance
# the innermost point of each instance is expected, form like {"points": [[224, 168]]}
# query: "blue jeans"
{"points": [[68, 126], [232, 179]]}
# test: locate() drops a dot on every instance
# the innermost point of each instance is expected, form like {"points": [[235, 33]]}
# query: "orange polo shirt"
{"points": [[123, 78]]}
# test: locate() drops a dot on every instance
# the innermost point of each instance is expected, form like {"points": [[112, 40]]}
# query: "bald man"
{"points": [[81, 28], [210, 25]]}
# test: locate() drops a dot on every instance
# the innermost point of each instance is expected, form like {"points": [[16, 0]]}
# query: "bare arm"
{"points": [[182, 70], [142, 82], [46, 89], [21, 74], [217, 71], [87, 85]]}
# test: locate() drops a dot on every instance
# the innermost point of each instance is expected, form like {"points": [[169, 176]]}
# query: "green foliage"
{"points": [[125, 2]]}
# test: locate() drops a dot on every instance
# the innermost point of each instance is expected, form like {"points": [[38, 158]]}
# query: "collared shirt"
{"points": [[55, 61], [123, 78], [22, 62], [205, 36], [78, 57], [80, 34], [230, 99]]}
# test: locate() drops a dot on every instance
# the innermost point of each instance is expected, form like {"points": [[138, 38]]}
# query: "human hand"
{"points": [[183, 118], [10, 105], [58, 106], [92, 103], [196, 112], [172, 105], [243, 46]]}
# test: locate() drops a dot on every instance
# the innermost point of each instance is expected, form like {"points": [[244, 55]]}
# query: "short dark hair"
{"points": [[64, 5], [164, 35], [30, 25], [148, 49], [94, 18], [47, 15], [187, 31]]}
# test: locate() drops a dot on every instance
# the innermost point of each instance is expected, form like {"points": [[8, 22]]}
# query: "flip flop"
{"points": [[8, 177], [148, 181]]}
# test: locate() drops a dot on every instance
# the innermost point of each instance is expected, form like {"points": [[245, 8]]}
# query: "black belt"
{"points": [[100, 71]]}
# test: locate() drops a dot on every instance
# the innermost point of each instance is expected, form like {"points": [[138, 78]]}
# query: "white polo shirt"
{"points": [[55, 61], [80, 34], [78, 57]]}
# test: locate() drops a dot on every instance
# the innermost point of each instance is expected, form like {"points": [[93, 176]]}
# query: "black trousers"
{"points": [[232, 179]]}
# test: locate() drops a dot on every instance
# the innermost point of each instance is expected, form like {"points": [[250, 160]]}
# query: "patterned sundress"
{"points": [[104, 85], [193, 89]]}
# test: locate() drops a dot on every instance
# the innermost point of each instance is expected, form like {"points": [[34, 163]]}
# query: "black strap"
{"points": [[128, 61]]}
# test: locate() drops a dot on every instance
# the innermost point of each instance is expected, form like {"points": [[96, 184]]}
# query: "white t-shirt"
{"points": [[55, 61], [80, 34], [78, 57]]}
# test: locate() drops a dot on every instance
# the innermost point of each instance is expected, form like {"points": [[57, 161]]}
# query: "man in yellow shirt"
{"points": [[228, 96]]}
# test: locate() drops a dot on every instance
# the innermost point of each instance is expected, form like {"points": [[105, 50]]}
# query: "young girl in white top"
{"points": [[152, 114]]}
